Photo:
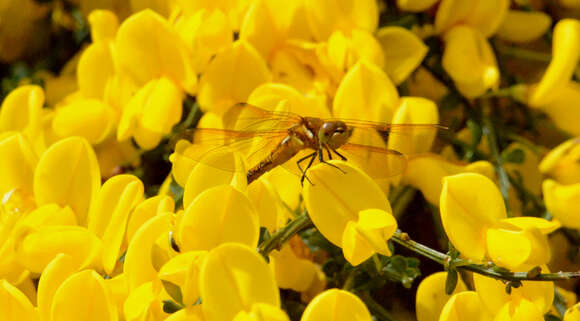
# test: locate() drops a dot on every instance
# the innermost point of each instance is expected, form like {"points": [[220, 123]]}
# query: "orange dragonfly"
{"points": [[268, 139]]}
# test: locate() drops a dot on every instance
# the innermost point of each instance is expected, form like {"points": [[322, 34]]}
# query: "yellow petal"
{"points": [[573, 313], [15, 305], [58, 270], [70, 300], [17, 164], [49, 214], [492, 293], [265, 200], [561, 107], [562, 163], [163, 107], [147, 209], [465, 306], [262, 312], [87, 118], [231, 76], [144, 303], [326, 16], [470, 62], [425, 173], [138, 262], [292, 272], [415, 5], [68, 174], [37, 248], [206, 33], [336, 305], [365, 85], [211, 171], [95, 70], [431, 296], [485, 16], [266, 23], [467, 212], [218, 215], [507, 248], [565, 54], [183, 271], [338, 196], [562, 202], [403, 51], [119, 290], [524, 26], [114, 234], [147, 47], [522, 310], [184, 315], [104, 25], [233, 278], [415, 110], [20, 108], [271, 95]]}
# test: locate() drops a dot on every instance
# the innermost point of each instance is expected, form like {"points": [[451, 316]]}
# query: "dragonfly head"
{"points": [[334, 133]]}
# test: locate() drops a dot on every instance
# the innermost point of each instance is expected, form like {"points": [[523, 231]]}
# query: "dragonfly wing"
{"points": [[204, 145], [408, 139], [247, 117], [377, 162]]}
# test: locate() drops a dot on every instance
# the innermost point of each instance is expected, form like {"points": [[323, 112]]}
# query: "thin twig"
{"points": [[287, 232], [493, 272]]}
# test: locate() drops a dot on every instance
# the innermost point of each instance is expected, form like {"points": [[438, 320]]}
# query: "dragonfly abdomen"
{"points": [[288, 148]]}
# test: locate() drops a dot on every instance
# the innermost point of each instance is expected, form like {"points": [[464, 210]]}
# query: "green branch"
{"points": [[283, 235], [403, 239], [504, 182]]}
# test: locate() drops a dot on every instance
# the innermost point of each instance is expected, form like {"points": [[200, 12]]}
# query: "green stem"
{"points": [[402, 201], [504, 182], [493, 272], [376, 309], [283, 235]]}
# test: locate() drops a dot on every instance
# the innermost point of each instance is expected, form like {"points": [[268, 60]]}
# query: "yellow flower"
{"points": [[262, 312], [524, 26], [519, 310], [70, 303], [349, 209], [425, 172], [573, 313], [325, 16], [335, 304], [291, 271], [15, 305], [58, 270], [469, 60], [183, 271], [465, 305], [562, 162], [220, 88], [218, 215], [562, 201], [403, 52], [143, 57], [493, 295], [233, 278], [565, 55], [431, 296], [476, 224]]}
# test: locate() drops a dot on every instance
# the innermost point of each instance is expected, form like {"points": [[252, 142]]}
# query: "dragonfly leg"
{"points": [[328, 151], [327, 163], [303, 171], [337, 153]]}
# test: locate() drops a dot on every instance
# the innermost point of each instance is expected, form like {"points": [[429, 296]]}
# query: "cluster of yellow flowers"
{"points": [[81, 241]]}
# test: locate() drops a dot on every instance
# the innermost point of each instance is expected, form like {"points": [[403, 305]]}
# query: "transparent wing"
{"points": [[253, 146], [247, 117]]}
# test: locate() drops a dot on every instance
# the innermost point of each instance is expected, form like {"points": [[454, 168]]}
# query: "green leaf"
{"points": [[402, 269], [171, 307], [174, 291], [451, 281], [515, 155]]}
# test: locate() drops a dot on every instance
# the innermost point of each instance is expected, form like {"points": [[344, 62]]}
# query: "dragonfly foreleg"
{"points": [[328, 151], [321, 159], [312, 157], [339, 155]]}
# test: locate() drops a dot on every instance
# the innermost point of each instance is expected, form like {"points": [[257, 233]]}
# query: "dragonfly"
{"points": [[268, 139]]}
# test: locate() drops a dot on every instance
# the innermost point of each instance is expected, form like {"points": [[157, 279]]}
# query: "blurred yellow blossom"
{"points": [[431, 296]]}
